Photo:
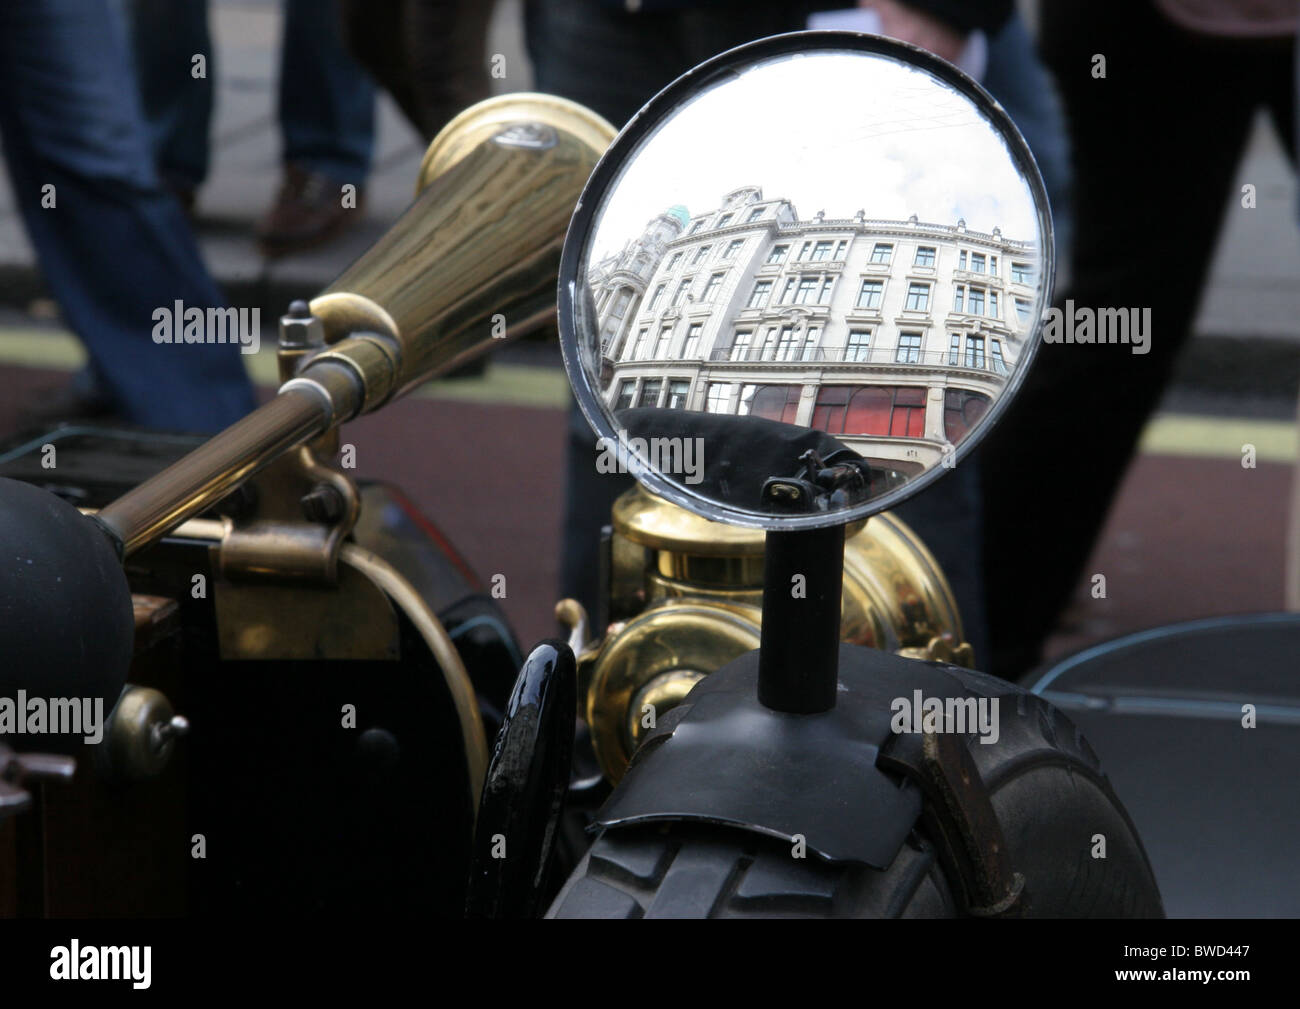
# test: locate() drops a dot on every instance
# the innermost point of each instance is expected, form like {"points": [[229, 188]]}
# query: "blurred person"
{"points": [[1156, 144], [430, 55], [113, 244], [599, 53], [326, 112]]}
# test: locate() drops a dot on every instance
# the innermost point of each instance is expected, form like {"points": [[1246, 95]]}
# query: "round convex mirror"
{"points": [[804, 280]]}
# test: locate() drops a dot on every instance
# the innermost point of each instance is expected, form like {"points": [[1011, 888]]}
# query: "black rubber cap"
{"points": [[66, 622]]}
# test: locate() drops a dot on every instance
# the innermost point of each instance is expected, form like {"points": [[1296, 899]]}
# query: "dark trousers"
{"points": [[1156, 144], [114, 245], [326, 101]]}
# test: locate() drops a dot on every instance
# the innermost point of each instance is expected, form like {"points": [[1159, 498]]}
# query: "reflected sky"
{"points": [[832, 132]]}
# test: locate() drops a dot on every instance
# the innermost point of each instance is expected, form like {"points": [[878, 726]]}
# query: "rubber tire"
{"points": [[1046, 786]]}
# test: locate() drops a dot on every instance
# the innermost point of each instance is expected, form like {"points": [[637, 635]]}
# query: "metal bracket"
{"points": [[290, 520]]}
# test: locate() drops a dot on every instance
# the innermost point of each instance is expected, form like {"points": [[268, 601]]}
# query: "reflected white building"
{"points": [[894, 336]]}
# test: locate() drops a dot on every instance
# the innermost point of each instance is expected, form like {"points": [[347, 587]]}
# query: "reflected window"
{"points": [[811, 339], [626, 391], [650, 392], [661, 345], [821, 251], [700, 254], [777, 255], [961, 260], [758, 298], [999, 365], [680, 293], [828, 413], [695, 227], [621, 303], [730, 251], [977, 262], [785, 348], [1021, 273], [740, 345], [840, 249], [1022, 309], [775, 402], [869, 410], [718, 398], [678, 389], [654, 298], [962, 410], [976, 301], [879, 410], [908, 418], [924, 255], [677, 258], [825, 297], [806, 293], [974, 352], [859, 345], [871, 293], [909, 348], [993, 305], [639, 348], [769, 346], [954, 349], [993, 264], [724, 220], [711, 288], [691, 348], [882, 252], [754, 215], [959, 298], [918, 297]]}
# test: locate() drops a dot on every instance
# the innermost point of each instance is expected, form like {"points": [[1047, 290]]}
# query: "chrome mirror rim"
{"points": [[643, 126]]}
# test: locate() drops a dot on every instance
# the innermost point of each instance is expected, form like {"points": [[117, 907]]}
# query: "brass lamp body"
{"points": [[685, 598]]}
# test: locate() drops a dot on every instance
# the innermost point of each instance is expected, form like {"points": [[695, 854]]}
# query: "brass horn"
{"points": [[477, 251]]}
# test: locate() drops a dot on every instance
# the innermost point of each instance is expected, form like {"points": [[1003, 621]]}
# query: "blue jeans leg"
{"points": [[166, 35], [115, 246], [327, 102]]}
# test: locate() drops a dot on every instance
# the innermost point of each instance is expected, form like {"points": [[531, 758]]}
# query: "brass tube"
{"points": [[202, 478], [478, 251]]}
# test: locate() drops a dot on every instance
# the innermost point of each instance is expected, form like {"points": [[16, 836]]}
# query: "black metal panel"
{"points": [[1215, 802]]}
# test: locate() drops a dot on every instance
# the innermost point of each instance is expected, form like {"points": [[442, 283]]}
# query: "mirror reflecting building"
{"points": [[822, 259], [894, 336]]}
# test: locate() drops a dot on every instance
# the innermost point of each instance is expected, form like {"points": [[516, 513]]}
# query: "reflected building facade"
{"points": [[893, 336]]}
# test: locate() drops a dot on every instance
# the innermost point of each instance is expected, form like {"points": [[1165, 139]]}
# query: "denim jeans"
{"points": [[114, 245], [326, 101]]}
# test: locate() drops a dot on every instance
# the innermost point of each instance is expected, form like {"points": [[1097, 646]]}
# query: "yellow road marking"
{"points": [[503, 384], [526, 385]]}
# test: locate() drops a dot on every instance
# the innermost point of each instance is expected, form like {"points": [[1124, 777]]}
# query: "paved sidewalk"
{"points": [[246, 170]]}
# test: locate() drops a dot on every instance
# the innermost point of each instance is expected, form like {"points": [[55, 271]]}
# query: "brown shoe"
{"points": [[308, 211]]}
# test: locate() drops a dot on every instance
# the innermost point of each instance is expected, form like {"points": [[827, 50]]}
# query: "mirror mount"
{"points": [[803, 583]]}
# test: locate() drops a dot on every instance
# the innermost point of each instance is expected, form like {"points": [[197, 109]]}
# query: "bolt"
{"points": [[323, 503]]}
